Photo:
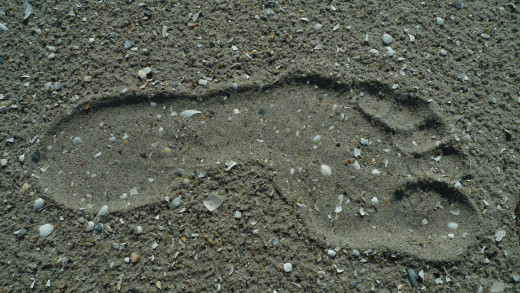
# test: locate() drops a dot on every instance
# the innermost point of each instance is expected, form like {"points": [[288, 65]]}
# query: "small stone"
{"points": [[3, 162], [497, 287], [440, 21], [287, 267], [443, 52], [21, 158], [134, 257], [331, 253], [387, 39], [180, 172], [203, 82], [238, 215], [35, 157], [139, 229], [77, 140], [3, 28]]}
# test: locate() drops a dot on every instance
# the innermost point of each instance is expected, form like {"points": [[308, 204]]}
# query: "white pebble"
{"points": [[390, 52], [316, 138], [3, 162], [356, 165], [325, 170], [139, 229], [90, 226], [331, 253], [21, 158], [440, 21], [238, 215], [287, 267], [376, 172], [412, 38], [374, 200]]}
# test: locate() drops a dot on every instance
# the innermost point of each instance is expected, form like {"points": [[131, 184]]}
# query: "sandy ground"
{"points": [[363, 171]]}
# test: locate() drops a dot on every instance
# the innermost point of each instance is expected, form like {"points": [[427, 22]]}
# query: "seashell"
{"points": [[176, 201], [134, 257], [108, 228], [102, 211], [90, 226], [325, 170], [287, 267], [213, 202], [453, 226], [45, 230], [98, 228], [412, 276], [38, 204], [188, 113]]}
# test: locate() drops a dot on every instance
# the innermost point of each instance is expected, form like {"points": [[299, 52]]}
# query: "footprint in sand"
{"points": [[393, 167]]}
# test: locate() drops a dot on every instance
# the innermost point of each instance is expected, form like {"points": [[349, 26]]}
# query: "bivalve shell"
{"points": [[45, 230], [102, 211], [38, 204], [134, 257], [90, 226]]}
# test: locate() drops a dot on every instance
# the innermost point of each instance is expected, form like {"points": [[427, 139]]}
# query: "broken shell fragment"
{"points": [[213, 202], [188, 113]]}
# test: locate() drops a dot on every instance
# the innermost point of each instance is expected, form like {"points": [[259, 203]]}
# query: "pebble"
{"points": [[331, 253], [77, 140], [45, 230], [412, 276], [134, 257], [287, 267], [3, 162], [21, 158], [387, 39], [238, 215], [3, 28], [374, 51], [443, 52], [145, 73], [139, 229], [36, 157], [440, 21], [38, 204], [203, 82]]}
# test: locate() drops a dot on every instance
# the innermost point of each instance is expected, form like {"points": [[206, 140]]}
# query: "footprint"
{"points": [[133, 150]]}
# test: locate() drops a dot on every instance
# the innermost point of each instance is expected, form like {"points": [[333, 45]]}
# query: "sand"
{"points": [[415, 143]]}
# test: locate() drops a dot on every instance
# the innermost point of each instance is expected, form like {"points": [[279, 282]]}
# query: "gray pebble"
{"points": [[440, 21], [77, 140], [180, 172]]}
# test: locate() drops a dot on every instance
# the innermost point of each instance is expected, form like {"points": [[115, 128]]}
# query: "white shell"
{"points": [[38, 204], [325, 170], [188, 113], [287, 267], [102, 211], [453, 226], [46, 229], [90, 226], [213, 202]]}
